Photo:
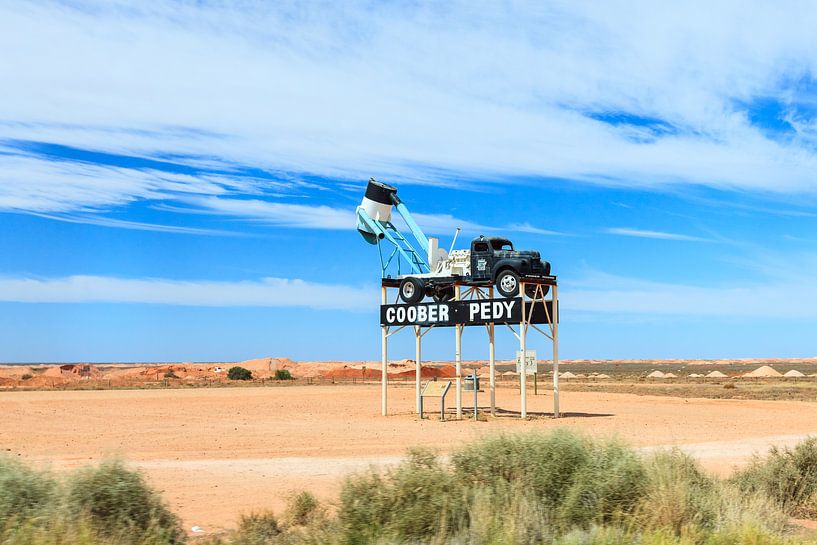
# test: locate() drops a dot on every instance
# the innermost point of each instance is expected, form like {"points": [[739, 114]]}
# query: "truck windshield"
{"points": [[502, 245]]}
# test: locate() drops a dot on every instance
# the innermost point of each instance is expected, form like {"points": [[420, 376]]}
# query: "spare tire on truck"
{"points": [[412, 290]]}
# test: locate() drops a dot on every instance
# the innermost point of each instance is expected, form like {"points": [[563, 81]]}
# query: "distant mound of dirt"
{"points": [[763, 372], [265, 365], [352, 372], [427, 372], [656, 374], [716, 374], [794, 373]]}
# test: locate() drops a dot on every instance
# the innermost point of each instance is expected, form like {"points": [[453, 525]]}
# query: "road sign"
{"points": [[531, 366]]}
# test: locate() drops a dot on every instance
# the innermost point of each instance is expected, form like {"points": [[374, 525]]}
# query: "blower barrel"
{"points": [[377, 204]]}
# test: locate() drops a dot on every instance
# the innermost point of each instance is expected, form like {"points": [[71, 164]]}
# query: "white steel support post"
{"points": [[523, 378], [491, 360], [458, 358], [418, 339], [384, 359], [555, 332]]}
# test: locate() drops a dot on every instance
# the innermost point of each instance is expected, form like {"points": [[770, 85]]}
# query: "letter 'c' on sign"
{"points": [[390, 314]]}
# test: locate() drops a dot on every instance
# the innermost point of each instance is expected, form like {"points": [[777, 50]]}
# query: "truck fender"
{"points": [[501, 265]]}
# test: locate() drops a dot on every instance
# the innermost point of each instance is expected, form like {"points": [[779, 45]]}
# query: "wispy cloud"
{"points": [[327, 89], [615, 295], [311, 216], [104, 221], [266, 292], [644, 233]]}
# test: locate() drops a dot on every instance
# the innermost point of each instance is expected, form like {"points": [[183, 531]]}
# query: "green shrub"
{"points": [[302, 508], [239, 373], [577, 480], [256, 529], [24, 492], [283, 374], [118, 502], [679, 495], [416, 500], [788, 476]]}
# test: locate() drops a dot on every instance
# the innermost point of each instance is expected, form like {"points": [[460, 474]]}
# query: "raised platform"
{"points": [[540, 280]]}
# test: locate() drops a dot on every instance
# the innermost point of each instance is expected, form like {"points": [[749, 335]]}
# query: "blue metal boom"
{"points": [[403, 248]]}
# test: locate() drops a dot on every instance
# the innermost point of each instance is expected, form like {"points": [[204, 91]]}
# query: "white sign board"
{"points": [[530, 362]]}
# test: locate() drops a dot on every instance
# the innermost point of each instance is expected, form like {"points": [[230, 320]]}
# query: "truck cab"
{"points": [[494, 259], [485, 251]]}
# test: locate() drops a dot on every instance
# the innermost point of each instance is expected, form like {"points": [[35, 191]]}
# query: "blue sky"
{"points": [[178, 180]]}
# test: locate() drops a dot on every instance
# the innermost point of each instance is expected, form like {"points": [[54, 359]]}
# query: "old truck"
{"points": [[489, 261]]}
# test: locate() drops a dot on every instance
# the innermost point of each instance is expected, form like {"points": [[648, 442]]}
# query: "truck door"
{"points": [[481, 259]]}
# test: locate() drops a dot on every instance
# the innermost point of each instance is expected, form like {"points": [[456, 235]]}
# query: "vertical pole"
{"points": [[418, 339], [474, 377], [491, 360], [384, 359], [458, 359], [555, 333], [523, 391]]}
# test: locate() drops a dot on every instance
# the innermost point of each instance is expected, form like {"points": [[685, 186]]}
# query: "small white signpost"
{"points": [[531, 367]]}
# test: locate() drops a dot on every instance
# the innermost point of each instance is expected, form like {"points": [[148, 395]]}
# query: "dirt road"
{"points": [[218, 452]]}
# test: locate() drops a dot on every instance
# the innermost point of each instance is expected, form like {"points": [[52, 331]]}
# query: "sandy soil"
{"points": [[218, 452]]}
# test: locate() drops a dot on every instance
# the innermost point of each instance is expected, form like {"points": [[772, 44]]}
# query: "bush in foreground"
{"points": [[118, 502], [239, 373], [25, 494], [788, 476], [302, 509], [557, 488], [257, 529]]}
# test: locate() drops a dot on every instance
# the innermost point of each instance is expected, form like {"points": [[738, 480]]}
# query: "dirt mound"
{"points": [[794, 373], [715, 374], [670, 375], [656, 374], [263, 365], [15, 371], [567, 375], [352, 372], [427, 372], [763, 372], [72, 371]]}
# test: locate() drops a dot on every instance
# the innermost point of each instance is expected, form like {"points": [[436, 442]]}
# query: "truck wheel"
{"points": [[443, 294], [412, 290], [507, 282]]}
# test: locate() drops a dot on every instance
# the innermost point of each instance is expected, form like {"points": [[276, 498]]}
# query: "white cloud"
{"points": [[103, 221], [32, 184], [326, 217], [601, 294], [267, 292], [408, 92], [792, 297], [661, 235]]}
